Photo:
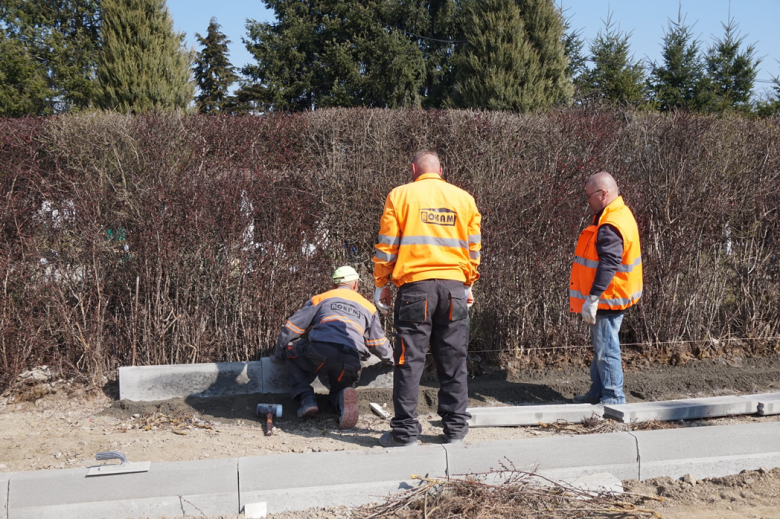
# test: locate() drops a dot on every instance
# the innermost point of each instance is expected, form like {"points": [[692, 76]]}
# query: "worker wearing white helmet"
{"points": [[343, 329]]}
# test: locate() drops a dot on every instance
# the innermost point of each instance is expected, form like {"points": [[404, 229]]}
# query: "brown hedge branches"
{"points": [[168, 239]]}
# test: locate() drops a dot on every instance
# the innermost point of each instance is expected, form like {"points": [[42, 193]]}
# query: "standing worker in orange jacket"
{"points": [[606, 279], [429, 245]]}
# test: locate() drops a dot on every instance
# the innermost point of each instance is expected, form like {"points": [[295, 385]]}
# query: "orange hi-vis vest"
{"points": [[429, 230], [626, 287]]}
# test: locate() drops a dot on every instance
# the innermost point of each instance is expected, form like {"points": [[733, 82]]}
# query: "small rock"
{"points": [[689, 479], [58, 455], [137, 415], [749, 481], [762, 471]]}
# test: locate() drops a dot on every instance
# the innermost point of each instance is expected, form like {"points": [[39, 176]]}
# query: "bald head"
{"points": [[601, 190], [425, 161]]}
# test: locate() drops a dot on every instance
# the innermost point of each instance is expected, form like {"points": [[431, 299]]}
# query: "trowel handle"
{"points": [[113, 455]]}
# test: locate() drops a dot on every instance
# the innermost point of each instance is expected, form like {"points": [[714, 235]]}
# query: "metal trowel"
{"points": [[125, 467]]}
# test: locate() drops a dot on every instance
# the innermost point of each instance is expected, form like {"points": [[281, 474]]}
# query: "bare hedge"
{"points": [[170, 239]]}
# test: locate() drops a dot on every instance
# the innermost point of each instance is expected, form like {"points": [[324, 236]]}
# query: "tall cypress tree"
{"points": [[731, 70], [678, 82], [513, 57], [213, 72], [142, 62], [615, 75]]}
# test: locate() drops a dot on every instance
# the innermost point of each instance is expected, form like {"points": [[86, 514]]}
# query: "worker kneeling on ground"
{"points": [[345, 329]]}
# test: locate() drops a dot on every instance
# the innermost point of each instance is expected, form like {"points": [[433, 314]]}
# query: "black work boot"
{"points": [[308, 407]]}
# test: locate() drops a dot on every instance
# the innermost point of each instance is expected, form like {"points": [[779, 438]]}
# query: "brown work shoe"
{"points": [[349, 409]]}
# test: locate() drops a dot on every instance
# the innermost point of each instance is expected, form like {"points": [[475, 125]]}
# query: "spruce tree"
{"points": [[545, 29], [213, 72], [678, 82], [615, 76], [24, 88], [322, 53], [62, 37], [731, 71], [572, 45], [513, 57], [142, 64]]}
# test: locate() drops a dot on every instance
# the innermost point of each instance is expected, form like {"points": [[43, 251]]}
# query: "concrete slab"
{"points": [[768, 403], [557, 457], [531, 414], [149, 383], [334, 478], [710, 451], [681, 409], [168, 489]]}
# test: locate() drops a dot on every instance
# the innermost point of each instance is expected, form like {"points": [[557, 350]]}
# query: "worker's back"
{"points": [[433, 224]]}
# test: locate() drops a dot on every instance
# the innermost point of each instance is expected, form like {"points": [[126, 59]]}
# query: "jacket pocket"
{"points": [[458, 307], [413, 308]]}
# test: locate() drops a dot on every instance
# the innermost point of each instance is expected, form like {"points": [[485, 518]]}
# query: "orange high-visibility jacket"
{"points": [[626, 287], [429, 230]]}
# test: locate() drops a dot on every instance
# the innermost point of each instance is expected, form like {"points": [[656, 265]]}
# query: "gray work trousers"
{"points": [[431, 312], [307, 359]]}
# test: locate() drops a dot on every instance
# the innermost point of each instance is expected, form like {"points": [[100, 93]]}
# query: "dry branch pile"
{"points": [[522, 495]]}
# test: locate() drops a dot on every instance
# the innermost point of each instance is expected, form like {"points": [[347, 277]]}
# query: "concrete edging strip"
{"points": [[711, 451], [687, 409], [377, 472], [531, 414], [154, 383], [172, 488]]}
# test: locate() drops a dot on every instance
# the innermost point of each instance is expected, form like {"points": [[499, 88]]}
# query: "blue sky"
{"points": [[758, 19]]}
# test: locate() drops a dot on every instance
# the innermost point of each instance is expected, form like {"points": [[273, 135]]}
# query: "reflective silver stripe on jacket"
{"points": [[389, 240], [595, 264], [432, 240], [475, 238], [474, 254], [385, 256], [576, 294]]}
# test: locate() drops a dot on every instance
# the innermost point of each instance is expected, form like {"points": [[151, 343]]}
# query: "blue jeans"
{"points": [[606, 370]]}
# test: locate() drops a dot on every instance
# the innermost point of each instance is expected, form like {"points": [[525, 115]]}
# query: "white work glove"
{"points": [[589, 308], [381, 294], [469, 297]]}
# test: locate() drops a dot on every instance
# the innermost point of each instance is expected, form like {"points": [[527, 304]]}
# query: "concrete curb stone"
{"points": [[531, 414], [172, 488], [271, 479], [708, 451], [558, 456], [687, 409]]}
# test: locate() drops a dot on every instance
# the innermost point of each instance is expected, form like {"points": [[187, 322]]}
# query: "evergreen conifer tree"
{"points": [[678, 82], [615, 76], [213, 72], [62, 38], [573, 44], [731, 71], [142, 64], [513, 57], [323, 53], [24, 86]]}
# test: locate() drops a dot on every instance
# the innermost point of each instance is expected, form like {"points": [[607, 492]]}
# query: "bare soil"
{"points": [[62, 424]]}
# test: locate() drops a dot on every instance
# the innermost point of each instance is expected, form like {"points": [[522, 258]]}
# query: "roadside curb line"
{"points": [[348, 478]]}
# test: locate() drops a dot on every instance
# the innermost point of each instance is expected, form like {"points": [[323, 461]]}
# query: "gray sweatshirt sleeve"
{"points": [[609, 246], [376, 342], [295, 326]]}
